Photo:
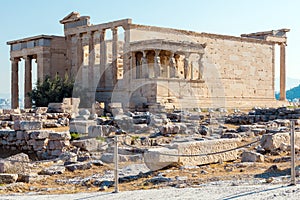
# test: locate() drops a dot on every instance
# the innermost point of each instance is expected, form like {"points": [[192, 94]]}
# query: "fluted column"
{"points": [[126, 56], [15, 82], [282, 72], [157, 64], [79, 53], [27, 81], [91, 60], [102, 58], [114, 55], [71, 70]]}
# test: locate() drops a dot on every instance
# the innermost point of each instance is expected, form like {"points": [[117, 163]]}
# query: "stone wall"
{"points": [[239, 72], [46, 144]]}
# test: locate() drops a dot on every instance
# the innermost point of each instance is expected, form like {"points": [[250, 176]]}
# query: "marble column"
{"points": [[71, 71], [282, 72], [200, 67], [114, 55], [28, 81], [15, 82], [103, 58], [157, 64], [126, 56], [186, 66], [79, 55], [91, 61], [145, 69]]}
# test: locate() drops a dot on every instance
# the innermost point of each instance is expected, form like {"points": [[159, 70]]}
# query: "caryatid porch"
{"points": [[166, 59]]}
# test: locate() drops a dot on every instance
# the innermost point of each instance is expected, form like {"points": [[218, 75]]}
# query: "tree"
{"points": [[51, 90]]}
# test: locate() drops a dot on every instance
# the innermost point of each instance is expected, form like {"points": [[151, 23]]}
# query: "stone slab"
{"points": [[28, 125], [206, 147], [81, 126], [155, 159], [273, 141]]}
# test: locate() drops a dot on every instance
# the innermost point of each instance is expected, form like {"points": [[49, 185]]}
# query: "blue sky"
{"points": [[230, 17]]}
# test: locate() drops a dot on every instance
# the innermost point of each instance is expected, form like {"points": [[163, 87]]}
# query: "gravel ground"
{"points": [[208, 192]]}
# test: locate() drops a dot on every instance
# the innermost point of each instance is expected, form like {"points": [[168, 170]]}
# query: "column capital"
{"points": [[187, 55], [144, 53], [90, 32], [15, 59], [114, 29], [27, 57], [157, 51]]}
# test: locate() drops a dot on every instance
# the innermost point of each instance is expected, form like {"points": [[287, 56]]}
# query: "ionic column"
{"points": [[28, 81], [200, 67], [126, 55], [15, 82], [172, 66], [133, 66], [145, 70], [79, 53], [91, 60], [157, 64], [114, 55], [69, 66], [102, 58], [186, 66], [282, 72]]}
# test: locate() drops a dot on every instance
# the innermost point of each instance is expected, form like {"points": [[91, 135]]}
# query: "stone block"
{"points": [[95, 131], [58, 144], [79, 166], [59, 136], [41, 110], [170, 129], [273, 141], [6, 133], [81, 126], [5, 117], [90, 144], [57, 152], [11, 111], [8, 178], [14, 164], [55, 169], [31, 177], [206, 147], [248, 156], [41, 134], [27, 125], [155, 158]]}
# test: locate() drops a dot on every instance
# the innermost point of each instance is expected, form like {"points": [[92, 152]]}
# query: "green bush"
{"points": [[75, 136], [51, 90]]}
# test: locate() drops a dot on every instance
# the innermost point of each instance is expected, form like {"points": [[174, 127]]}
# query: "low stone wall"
{"points": [[263, 115], [46, 144]]}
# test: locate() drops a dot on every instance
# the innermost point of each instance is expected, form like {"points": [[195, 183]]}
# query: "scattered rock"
{"points": [[269, 180], [79, 166], [248, 156], [8, 178], [55, 169]]}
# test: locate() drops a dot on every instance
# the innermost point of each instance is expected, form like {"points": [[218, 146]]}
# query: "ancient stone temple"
{"points": [[147, 67]]}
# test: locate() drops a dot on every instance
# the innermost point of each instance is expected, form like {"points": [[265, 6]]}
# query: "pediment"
{"points": [[73, 16]]}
